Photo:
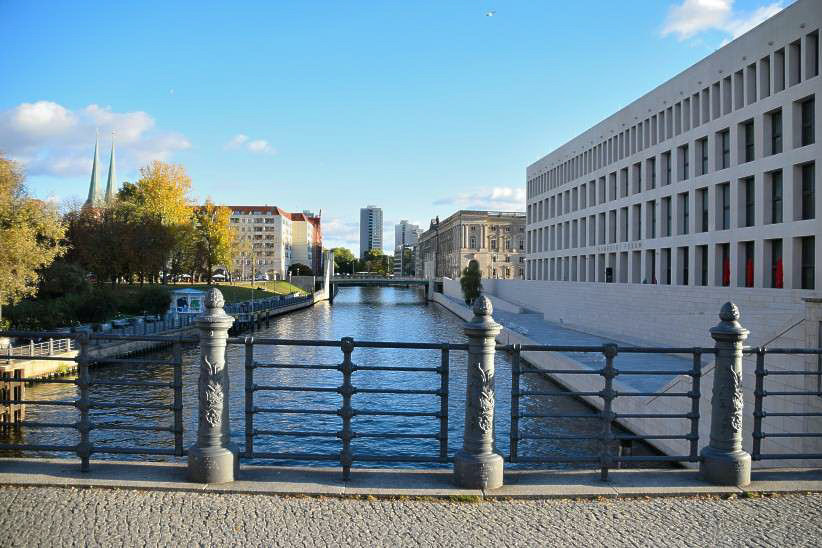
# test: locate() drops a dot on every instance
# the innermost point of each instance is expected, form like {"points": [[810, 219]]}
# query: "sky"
{"points": [[419, 107]]}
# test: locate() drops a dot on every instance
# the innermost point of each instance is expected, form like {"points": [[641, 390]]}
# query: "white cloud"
{"points": [[256, 146], [341, 233], [49, 139], [492, 199], [692, 17]]}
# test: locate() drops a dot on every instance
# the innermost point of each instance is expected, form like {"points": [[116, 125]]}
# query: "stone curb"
{"points": [[398, 483]]}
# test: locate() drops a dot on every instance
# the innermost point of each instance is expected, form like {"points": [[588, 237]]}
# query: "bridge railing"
{"points": [[477, 465], [340, 403]]}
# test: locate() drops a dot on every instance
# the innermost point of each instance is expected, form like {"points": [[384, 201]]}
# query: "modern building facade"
{"points": [[406, 236], [495, 239], [370, 229], [277, 239], [708, 180]]}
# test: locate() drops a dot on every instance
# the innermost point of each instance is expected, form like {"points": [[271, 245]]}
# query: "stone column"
{"points": [[477, 466], [213, 459], [724, 462]]}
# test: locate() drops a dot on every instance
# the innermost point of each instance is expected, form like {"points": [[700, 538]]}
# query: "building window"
{"points": [[666, 159], [703, 152], [666, 206], [651, 167], [685, 209], [808, 191], [808, 273], [703, 264], [750, 201], [776, 263], [652, 224], [724, 203], [703, 206], [808, 134], [776, 132], [725, 262], [724, 149], [748, 135], [684, 161], [776, 197]]}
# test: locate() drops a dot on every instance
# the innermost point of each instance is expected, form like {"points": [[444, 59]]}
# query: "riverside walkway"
{"points": [[157, 518]]}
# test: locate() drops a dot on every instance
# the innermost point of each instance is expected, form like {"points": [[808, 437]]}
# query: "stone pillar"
{"points": [[213, 459], [477, 466], [724, 462]]}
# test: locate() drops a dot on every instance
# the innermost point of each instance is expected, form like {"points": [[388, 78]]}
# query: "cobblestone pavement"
{"points": [[42, 516]]}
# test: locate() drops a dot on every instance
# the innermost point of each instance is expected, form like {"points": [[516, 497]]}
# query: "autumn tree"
{"points": [[213, 237], [376, 261], [31, 236]]}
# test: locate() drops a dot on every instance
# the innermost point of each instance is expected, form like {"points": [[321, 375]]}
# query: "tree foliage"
{"points": [[471, 282], [375, 261], [213, 238], [31, 236], [299, 269], [344, 260]]}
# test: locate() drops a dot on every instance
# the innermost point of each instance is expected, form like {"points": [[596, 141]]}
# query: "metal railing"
{"points": [[761, 393], [608, 396], [84, 403], [477, 465], [45, 348], [345, 411]]}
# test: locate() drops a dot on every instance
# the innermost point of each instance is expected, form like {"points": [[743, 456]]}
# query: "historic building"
{"points": [[95, 196], [277, 240], [495, 239], [708, 180]]}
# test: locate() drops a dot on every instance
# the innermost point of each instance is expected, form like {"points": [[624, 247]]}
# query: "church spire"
{"points": [[93, 188], [112, 175]]}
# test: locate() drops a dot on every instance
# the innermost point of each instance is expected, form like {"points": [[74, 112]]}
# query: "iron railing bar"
{"points": [[657, 394], [655, 458], [307, 434], [560, 416], [397, 458], [759, 394], [44, 381], [516, 371], [444, 370], [371, 413], [295, 411], [790, 456], [397, 369], [135, 427], [547, 460], [249, 394], [39, 402], [133, 450], [177, 353], [398, 391], [294, 366], [291, 456], [555, 393], [273, 388], [36, 447], [791, 435], [654, 415], [769, 372], [811, 351], [40, 424], [558, 437], [137, 384], [656, 372], [107, 405], [123, 361], [766, 414], [562, 371], [789, 393], [393, 435]]}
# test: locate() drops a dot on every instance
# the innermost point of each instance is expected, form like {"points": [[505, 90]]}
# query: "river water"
{"points": [[376, 314]]}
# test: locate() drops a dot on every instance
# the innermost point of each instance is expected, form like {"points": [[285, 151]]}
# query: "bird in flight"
{"points": [[490, 13]]}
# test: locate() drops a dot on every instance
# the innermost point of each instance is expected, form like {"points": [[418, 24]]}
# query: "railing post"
{"points": [[476, 465], [51, 346], [83, 404], [346, 412], [213, 459], [723, 460]]}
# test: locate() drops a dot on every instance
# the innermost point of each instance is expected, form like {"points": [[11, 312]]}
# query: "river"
{"points": [[371, 313]]}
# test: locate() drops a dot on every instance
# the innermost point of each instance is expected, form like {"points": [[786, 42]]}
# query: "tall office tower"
{"points": [[370, 229]]}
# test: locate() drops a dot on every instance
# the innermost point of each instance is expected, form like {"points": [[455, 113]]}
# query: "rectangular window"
{"points": [[724, 267], [702, 251], [776, 132], [723, 202], [724, 156], [748, 262], [776, 263], [812, 54], [750, 201], [683, 151], [703, 209], [808, 252], [748, 134], [795, 63], [702, 147], [666, 211], [651, 207], [651, 167], [808, 191], [808, 133], [776, 197], [685, 209], [684, 265], [666, 161]]}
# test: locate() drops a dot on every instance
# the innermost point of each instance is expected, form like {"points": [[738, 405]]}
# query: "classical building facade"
{"points": [[495, 239], [708, 180], [370, 229], [277, 240]]}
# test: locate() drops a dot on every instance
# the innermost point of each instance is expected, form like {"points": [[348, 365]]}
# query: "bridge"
{"points": [[375, 281]]}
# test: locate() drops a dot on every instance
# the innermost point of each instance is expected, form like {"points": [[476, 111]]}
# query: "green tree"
{"points": [[213, 237], [299, 269], [375, 261], [344, 260], [31, 236], [471, 282]]}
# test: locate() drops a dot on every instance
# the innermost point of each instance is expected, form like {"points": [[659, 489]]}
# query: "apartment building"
{"points": [[370, 229], [406, 236], [275, 239], [495, 239], [708, 180]]}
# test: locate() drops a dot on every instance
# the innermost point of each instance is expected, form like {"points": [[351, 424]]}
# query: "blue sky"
{"points": [[419, 107]]}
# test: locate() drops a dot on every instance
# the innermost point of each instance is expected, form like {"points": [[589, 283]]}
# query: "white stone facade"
{"points": [[708, 180]]}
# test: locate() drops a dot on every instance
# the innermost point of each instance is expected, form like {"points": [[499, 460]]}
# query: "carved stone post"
{"points": [[477, 466], [213, 459], [724, 462]]}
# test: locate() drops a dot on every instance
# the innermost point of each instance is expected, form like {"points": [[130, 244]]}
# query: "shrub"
{"points": [[61, 279], [154, 299], [471, 282], [98, 306]]}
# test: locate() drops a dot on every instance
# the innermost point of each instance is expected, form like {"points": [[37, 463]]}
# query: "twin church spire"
{"points": [[95, 199]]}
